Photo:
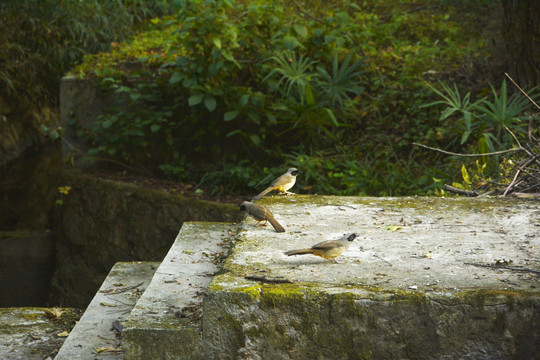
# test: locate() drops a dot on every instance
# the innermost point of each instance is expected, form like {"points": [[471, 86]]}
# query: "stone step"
{"points": [[94, 336], [166, 323]]}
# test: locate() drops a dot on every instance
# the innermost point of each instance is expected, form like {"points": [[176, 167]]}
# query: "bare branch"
{"points": [[510, 151], [524, 93]]}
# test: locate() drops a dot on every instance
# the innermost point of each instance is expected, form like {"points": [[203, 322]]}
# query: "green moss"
{"points": [[283, 294], [420, 204], [484, 297], [235, 285], [348, 302]]}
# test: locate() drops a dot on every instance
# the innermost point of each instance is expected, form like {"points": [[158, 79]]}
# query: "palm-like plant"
{"points": [[343, 81], [504, 112], [455, 103], [295, 74]]}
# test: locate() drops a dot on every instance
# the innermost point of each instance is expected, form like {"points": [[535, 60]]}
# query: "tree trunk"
{"points": [[521, 27]]}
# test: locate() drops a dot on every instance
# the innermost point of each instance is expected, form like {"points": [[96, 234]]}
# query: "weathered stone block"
{"points": [[428, 278], [166, 322]]}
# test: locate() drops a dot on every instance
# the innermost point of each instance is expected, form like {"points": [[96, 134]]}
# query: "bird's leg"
{"points": [[259, 223], [335, 260]]}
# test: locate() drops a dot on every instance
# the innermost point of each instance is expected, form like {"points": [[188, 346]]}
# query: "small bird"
{"points": [[260, 213], [281, 184], [329, 249]]}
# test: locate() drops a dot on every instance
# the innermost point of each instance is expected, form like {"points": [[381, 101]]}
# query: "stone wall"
{"points": [[102, 222]]}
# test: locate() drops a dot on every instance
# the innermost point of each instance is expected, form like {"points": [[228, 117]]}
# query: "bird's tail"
{"points": [[266, 191], [276, 225], [299, 252]]}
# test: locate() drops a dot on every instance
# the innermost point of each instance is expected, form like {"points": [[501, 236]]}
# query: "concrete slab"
{"points": [[94, 336], [166, 322], [416, 243], [427, 278]]}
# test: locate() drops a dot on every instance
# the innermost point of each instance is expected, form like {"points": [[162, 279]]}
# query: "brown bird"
{"points": [[281, 184], [260, 213], [329, 249]]}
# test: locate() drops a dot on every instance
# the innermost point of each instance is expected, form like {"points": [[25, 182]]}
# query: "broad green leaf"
{"points": [[155, 127], [255, 139], [210, 103], [217, 42], [177, 77], [230, 115], [300, 30], [244, 100], [290, 42], [234, 132], [465, 175], [195, 99]]}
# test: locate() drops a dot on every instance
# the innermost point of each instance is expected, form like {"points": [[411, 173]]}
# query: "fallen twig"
{"points": [[118, 291], [525, 195], [469, 193], [513, 268]]}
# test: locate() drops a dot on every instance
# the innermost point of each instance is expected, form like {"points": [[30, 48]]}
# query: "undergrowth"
{"points": [[231, 93]]}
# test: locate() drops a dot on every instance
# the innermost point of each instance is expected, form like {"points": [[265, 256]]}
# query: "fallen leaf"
{"points": [[108, 349], [107, 304], [392, 228]]}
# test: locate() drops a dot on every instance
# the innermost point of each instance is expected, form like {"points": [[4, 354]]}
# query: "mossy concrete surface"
{"points": [[34, 333], [166, 322], [428, 278], [97, 334]]}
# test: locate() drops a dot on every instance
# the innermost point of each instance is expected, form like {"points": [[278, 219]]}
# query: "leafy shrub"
{"points": [[335, 87], [487, 125]]}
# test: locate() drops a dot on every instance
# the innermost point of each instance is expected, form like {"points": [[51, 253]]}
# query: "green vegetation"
{"points": [[230, 93], [42, 40], [488, 125]]}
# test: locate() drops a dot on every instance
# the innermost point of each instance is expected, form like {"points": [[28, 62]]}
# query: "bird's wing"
{"points": [[282, 180], [327, 245]]}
